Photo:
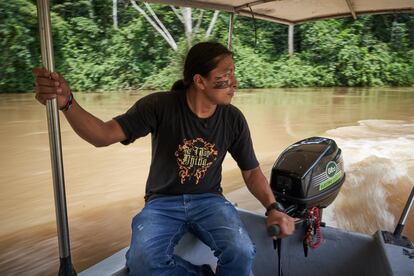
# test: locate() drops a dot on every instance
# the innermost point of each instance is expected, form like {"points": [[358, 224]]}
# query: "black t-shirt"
{"points": [[187, 151]]}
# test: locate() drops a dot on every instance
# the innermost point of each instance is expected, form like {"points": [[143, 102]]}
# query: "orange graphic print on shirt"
{"points": [[194, 157]]}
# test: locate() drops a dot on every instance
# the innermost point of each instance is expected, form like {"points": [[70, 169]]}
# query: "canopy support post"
{"points": [[46, 45], [351, 9]]}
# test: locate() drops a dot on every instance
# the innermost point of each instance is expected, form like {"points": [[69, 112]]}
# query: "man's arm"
{"points": [[93, 129], [90, 128], [258, 185]]}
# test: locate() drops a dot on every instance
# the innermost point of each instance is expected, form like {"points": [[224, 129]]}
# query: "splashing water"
{"points": [[379, 165]]}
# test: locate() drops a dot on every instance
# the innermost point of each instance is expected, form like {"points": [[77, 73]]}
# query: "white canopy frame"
{"points": [[298, 11]]}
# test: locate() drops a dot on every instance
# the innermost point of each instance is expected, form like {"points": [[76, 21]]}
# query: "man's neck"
{"points": [[199, 104]]}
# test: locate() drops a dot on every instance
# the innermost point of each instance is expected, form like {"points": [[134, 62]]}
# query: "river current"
{"points": [[105, 186]]}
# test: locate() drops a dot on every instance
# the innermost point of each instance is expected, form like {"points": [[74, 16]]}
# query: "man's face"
{"points": [[221, 83]]}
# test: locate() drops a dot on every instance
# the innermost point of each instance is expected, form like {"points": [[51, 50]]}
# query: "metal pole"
{"points": [[231, 28], [400, 226], [46, 44]]}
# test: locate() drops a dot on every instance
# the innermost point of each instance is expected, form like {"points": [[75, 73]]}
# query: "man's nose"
{"points": [[233, 81]]}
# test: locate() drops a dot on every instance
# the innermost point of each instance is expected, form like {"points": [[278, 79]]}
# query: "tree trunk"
{"points": [[115, 13], [291, 39], [199, 20], [159, 28], [212, 23], [188, 24]]}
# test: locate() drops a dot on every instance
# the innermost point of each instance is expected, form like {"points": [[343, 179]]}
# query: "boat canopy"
{"points": [[298, 11]]}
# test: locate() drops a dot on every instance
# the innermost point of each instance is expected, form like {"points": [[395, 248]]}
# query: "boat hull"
{"points": [[340, 253]]}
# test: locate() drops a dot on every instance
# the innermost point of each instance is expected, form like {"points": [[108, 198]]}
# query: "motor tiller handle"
{"points": [[273, 230]]}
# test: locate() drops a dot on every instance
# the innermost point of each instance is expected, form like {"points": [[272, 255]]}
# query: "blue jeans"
{"points": [[162, 223]]}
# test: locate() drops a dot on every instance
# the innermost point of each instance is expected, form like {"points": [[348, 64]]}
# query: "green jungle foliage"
{"points": [[93, 55]]}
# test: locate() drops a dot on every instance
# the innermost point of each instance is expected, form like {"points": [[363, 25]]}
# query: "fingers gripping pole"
{"points": [[46, 44]]}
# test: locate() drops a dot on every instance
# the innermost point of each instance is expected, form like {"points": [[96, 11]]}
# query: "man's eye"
{"points": [[226, 75]]}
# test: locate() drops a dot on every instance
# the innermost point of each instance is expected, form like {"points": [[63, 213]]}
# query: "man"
{"points": [[192, 128]]}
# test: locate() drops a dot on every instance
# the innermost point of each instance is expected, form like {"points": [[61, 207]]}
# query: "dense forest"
{"points": [[102, 47]]}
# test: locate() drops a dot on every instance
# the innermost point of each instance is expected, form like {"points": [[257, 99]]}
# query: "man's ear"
{"points": [[199, 81]]}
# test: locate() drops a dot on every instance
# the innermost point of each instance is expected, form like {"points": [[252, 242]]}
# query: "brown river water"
{"points": [[105, 186]]}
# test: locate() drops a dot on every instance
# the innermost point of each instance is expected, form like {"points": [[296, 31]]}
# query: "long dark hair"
{"points": [[201, 59]]}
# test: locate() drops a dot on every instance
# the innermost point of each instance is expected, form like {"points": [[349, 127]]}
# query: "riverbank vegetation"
{"points": [[98, 47]]}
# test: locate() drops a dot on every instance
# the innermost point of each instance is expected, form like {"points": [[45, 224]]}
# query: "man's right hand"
{"points": [[51, 85], [285, 222]]}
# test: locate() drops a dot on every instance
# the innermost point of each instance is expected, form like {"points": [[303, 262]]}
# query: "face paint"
{"points": [[222, 84]]}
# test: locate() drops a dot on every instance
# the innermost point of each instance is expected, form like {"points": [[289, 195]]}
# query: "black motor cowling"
{"points": [[308, 174]]}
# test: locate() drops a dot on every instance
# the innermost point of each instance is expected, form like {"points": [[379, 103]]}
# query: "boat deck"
{"points": [[340, 253]]}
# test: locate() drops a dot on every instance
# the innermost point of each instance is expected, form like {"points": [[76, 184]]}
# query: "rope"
{"points": [[314, 229]]}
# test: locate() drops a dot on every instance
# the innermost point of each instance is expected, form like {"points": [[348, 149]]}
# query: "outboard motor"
{"points": [[308, 174], [306, 178]]}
